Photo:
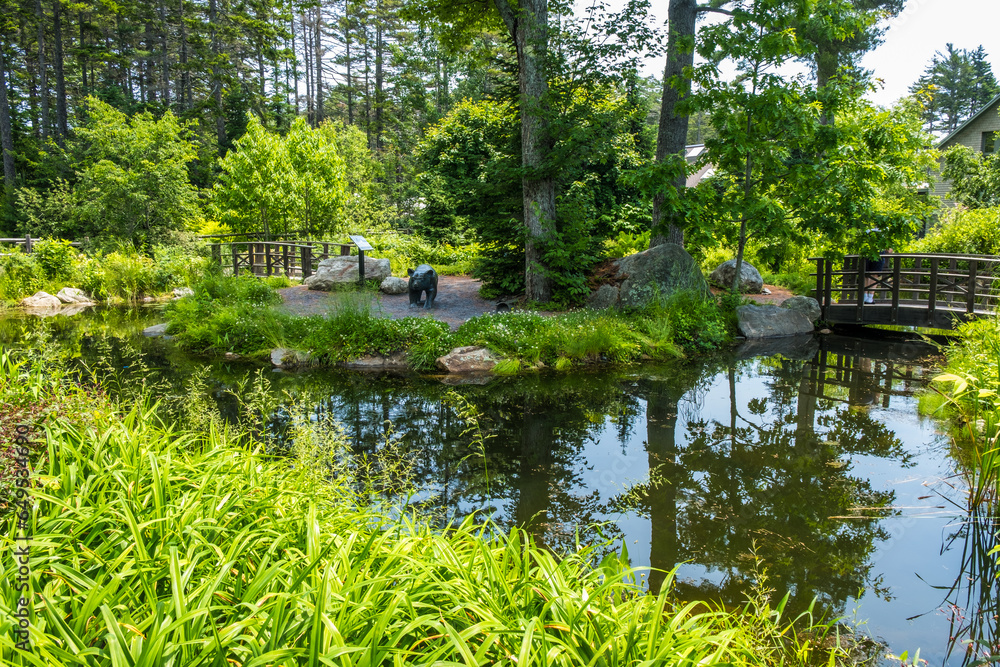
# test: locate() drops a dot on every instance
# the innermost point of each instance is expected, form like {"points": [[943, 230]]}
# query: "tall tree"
{"points": [[956, 83]]}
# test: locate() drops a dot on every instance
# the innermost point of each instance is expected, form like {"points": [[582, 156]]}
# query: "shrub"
{"points": [[56, 257], [20, 275], [964, 231]]}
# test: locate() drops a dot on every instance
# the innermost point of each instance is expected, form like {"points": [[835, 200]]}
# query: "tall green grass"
{"points": [[156, 545]]}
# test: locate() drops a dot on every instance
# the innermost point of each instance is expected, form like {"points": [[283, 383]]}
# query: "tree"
{"points": [[781, 168], [134, 182], [839, 32], [975, 178], [957, 84], [272, 184]]}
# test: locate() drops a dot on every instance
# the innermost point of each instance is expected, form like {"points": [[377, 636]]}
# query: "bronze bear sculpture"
{"points": [[423, 279]]}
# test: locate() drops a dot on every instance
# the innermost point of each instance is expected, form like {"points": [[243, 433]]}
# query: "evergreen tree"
{"points": [[957, 84]]}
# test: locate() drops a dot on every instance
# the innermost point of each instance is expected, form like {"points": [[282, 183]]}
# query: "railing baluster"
{"points": [[896, 261], [970, 304]]}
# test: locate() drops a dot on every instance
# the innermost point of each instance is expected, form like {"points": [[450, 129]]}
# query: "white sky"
{"points": [[924, 26]]}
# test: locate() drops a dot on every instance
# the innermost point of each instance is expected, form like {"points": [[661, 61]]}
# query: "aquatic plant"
{"points": [[154, 544]]}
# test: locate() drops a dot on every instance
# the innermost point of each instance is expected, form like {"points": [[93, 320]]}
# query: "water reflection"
{"points": [[728, 466]]}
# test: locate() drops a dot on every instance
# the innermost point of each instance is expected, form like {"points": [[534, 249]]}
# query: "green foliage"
{"points": [[133, 180], [975, 232], [407, 251], [20, 276], [975, 178], [470, 182], [820, 163], [956, 83], [691, 321], [55, 257], [625, 244], [301, 557], [272, 184], [54, 213]]}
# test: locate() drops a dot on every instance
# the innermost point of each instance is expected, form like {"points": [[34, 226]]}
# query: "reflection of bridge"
{"points": [[930, 290], [863, 372]]}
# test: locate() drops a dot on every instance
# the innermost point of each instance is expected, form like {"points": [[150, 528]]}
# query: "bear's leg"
{"points": [[431, 293]]}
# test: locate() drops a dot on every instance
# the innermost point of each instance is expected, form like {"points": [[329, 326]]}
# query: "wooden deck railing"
{"points": [[269, 258], [923, 290]]}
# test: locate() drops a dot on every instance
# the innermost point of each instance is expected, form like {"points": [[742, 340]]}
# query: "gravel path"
{"points": [[457, 300]]}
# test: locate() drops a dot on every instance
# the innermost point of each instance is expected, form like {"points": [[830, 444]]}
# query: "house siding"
{"points": [[972, 136]]}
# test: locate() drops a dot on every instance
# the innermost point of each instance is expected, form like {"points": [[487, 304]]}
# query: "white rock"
{"points": [[41, 300], [73, 295], [182, 292], [470, 359], [395, 285], [344, 269]]}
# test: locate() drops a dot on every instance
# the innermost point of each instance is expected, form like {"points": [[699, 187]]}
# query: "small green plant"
{"points": [[56, 257]]}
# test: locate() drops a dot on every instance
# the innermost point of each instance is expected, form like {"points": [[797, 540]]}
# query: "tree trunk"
{"points": [[82, 52], [350, 77], [307, 57], [220, 120], [6, 139], [32, 81], [43, 81], [164, 62], [319, 65], [62, 121], [379, 101], [528, 25], [184, 94], [671, 137], [295, 68]]}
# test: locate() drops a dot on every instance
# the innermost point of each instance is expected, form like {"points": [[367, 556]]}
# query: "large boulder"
{"points": [[344, 269], [750, 279], [807, 305], [648, 275], [73, 295], [771, 321], [41, 301], [283, 357], [470, 359]]}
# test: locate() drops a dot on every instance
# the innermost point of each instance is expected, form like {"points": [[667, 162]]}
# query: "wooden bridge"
{"points": [[921, 290]]}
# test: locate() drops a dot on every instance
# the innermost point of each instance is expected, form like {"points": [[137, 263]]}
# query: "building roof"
{"points": [[974, 116]]}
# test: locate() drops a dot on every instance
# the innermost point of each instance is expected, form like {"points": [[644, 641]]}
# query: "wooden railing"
{"points": [[269, 258], [922, 290], [28, 244]]}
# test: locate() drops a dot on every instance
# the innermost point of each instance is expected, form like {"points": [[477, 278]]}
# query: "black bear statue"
{"points": [[423, 279]]}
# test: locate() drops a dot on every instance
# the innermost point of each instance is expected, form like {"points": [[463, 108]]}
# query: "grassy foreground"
{"points": [[158, 545]]}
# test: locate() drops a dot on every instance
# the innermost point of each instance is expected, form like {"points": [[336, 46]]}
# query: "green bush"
{"points": [[20, 276], [56, 257], [964, 231]]}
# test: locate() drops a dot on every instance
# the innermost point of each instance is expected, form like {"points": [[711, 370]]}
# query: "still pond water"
{"points": [[813, 466]]}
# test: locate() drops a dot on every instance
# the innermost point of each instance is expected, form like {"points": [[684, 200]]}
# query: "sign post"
{"points": [[363, 246]]}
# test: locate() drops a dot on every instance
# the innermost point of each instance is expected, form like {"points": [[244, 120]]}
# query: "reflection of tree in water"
{"points": [[774, 480]]}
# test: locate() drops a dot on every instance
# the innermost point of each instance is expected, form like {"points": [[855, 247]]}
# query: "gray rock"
{"points": [[344, 269], [232, 356], [180, 292], [73, 295], [468, 379], [394, 285], [377, 362], [656, 273], [469, 359], [794, 348], [41, 301], [283, 357], [155, 331], [807, 305], [604, 297], [771, 321], [750, 280]]}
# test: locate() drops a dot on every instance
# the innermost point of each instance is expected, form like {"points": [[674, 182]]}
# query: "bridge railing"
{"points": [[268, 258], [919, 289]]}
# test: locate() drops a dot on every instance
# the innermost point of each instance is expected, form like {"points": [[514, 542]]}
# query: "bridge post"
{"points": [[896, 261], [970, 304]]}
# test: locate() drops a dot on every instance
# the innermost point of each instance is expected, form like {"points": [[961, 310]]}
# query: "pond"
{"points": [[813, 471]]}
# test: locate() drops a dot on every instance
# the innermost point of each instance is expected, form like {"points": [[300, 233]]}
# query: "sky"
{"points": [[924, 26]]}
